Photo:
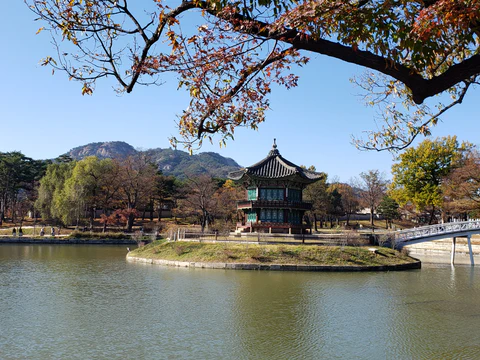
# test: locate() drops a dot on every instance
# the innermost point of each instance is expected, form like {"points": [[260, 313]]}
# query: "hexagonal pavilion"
{"points": [[274, 188]]}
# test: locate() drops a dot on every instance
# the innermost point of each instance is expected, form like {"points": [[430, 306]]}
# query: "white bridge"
{"points": [[437, 232]]}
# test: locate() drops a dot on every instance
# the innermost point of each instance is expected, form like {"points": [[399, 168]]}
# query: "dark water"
{"points": [[87, 302]]}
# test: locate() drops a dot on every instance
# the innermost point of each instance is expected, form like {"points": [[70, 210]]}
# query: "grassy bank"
{"points": [[271, 254]]}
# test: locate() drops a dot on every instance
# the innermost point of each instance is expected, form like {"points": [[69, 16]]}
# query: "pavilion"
{"points": [[274, 188]]}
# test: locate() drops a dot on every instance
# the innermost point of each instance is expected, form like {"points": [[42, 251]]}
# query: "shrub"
{"points": [[92, 235], [229, 254], [179, 249]]}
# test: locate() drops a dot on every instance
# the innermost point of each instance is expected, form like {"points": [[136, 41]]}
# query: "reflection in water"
{"points": [[270, 315], [77, 302]]}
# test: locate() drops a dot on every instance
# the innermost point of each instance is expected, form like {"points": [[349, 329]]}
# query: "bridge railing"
{"points": [[438, 229]]}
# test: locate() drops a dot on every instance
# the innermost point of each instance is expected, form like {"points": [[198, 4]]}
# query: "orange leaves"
{"points": [[173, 37], [47, 61], [86, 89], [192, 39]]}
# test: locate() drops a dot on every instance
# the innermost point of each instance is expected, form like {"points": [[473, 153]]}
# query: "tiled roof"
{"points": [[274, 166]]}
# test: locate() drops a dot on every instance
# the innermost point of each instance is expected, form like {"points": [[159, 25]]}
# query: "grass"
{"points": [[97, 235], [271, 254]]}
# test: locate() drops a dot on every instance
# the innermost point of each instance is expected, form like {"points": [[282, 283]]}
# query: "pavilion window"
{"points": [[272, 194], [251, 216], [272, 215], [294, 195], [280, 215], [295, 217]]}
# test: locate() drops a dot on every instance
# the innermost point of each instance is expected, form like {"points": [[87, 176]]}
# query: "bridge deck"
{"points": [[437, 232]]}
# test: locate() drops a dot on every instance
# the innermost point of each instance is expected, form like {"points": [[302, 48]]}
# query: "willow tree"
{"points": [[50, 190], [92, 185], [411, 50]]}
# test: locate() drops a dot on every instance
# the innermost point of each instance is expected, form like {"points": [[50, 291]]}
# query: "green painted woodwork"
{"points": [[272, 194], [271, 215], [251, 216], [252, 194], [294, 195], [294, 217]]}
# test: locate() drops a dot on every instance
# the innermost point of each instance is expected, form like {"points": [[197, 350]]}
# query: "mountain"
{"points": [[171, 162], [102, 150]]}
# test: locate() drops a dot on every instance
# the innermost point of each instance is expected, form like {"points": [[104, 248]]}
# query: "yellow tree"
{"points": [[418, 174], [91, 186]]}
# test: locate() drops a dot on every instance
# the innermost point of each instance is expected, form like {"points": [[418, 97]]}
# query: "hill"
{"points": [[171, 162], [102, 150]]}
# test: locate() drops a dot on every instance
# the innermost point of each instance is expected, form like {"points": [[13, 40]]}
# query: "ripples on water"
{"points": [[87, 302]]}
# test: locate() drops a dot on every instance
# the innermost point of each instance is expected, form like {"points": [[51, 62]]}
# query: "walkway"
{"points": [[440, 231]]}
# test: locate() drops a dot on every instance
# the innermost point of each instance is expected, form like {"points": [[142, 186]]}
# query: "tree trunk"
{"points": [[151, 210], [92, 217], [315, 220], [371, 215], [13, 212], [432, 214], [2, 211], [160, 213], [130, 221]]}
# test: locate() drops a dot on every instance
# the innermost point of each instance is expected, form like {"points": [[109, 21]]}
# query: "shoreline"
{"points": [[272, 257], [60, 240], [275, 267]]}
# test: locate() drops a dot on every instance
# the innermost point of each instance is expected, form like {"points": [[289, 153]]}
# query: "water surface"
{"points": [[87, 302]]}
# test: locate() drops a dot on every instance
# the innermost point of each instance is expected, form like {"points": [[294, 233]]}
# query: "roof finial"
{"points": [[274, 151]]}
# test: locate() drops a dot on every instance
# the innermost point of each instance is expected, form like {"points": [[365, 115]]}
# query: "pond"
{"points": [[87, 302]]}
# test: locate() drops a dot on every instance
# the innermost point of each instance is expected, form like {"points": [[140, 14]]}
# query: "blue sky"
{"points": [[44, 116]]}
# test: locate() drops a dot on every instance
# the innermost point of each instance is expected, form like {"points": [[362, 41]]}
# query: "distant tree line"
{"points": [[436, 181], [19, 176]]}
